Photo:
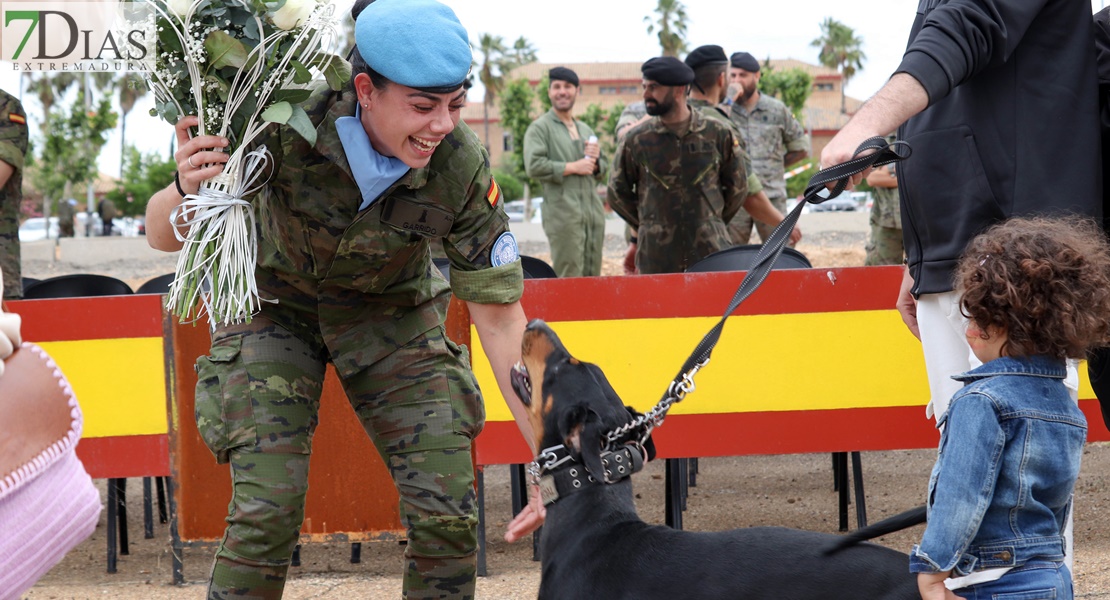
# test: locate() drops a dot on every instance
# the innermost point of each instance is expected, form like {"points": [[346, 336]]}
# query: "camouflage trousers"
{"points": [[257, 407], [740, 227], [884, 247]]}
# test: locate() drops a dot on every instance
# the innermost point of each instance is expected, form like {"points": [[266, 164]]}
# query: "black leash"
{"points": [[885, 153]]}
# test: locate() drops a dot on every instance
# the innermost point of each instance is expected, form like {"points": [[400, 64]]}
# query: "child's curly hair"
{"points": [[1045, 281]]}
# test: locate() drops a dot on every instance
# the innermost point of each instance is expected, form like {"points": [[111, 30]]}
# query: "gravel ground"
{"points": [[791, 490]]}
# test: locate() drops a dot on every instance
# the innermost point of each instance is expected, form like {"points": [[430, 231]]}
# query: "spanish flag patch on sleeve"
{"points": [[16, 118], [494, 193]]}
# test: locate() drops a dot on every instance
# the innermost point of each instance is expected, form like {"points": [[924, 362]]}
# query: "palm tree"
{"points": [[491, 73], [840, 50], [522, 53], [131, 88], [671, 26]]}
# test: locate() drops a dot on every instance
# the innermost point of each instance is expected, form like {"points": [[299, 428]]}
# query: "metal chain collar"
{"points": [[653, 418]]}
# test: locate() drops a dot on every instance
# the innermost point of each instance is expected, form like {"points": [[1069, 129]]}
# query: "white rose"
{"points": [[293, 13], [180, 7]]}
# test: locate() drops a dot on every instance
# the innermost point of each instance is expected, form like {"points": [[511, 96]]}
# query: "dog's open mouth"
{"points": [[522, 383]]}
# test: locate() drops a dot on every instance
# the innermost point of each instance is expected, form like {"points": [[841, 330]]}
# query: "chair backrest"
{"points": [[76, 286], [535, 268], [741, 258], [29, 281], [158, 285]]}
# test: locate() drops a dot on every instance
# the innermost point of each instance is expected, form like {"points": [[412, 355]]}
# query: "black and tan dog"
{"points": [[594, 546]]}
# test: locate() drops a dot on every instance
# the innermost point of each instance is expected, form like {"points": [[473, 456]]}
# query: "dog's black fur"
{"points": [[595, 546]]}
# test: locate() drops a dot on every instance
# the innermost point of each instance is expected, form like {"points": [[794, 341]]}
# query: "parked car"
{"points": [[34, 229], [515, 210], [835, 205]]}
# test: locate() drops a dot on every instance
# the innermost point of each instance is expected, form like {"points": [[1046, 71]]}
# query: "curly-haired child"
{"points": [[1036, 291]]}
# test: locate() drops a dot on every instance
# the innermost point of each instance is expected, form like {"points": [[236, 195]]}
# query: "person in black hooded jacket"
{"points": [[999, 101], [1098, 364]]}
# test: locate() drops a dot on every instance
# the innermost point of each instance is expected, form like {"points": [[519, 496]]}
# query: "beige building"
{"points": [[607, 84]]}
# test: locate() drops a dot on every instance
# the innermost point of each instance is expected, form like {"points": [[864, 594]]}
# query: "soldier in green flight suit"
{"points": [[13, 148], [558, 153], [345, 230]]}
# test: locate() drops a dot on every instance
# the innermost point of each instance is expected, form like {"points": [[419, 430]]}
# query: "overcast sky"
{"points": [[614, 31]]}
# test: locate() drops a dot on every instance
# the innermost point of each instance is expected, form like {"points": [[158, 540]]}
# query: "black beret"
{"points": [[563, 74], [743, 60], [706, 55], [668, 71]]}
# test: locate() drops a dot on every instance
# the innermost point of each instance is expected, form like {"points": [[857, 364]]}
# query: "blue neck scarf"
{"points": [[373, 172]]}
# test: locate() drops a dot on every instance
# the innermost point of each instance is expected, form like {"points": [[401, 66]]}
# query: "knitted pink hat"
{"points": [[48, 503]]}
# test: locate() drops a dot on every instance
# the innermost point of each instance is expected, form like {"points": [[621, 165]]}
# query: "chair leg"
{"points": [[861, 504], [148, 509], [112, 517], [160, 489], [296, 560], [842, 487], [356, 553], [673, 485], [121, 498]]}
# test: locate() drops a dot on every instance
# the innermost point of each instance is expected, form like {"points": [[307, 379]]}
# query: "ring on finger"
{"points": [[190, 161]]}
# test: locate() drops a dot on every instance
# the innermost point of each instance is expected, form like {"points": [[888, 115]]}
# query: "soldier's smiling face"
{"points": [[407, 123], [562, 95]]}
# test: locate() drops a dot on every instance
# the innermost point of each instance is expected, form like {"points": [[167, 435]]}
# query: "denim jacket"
{"points": [[1009, 454]]}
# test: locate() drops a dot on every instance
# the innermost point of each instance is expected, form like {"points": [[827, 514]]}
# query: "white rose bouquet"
{"points": [[239, 65]]}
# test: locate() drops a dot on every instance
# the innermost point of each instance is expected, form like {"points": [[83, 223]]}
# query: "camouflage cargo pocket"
{"points": [[466, 399], [225, 418]]}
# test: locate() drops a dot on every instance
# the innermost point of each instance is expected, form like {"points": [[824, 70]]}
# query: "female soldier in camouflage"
{"points": [[345, 229]]}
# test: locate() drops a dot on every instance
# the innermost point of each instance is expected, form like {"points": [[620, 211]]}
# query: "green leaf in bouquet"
{"points": [[279, 112], [337, 71], [300, 123], [224, 50], [292, 95], [301, 74], [167, 38]]}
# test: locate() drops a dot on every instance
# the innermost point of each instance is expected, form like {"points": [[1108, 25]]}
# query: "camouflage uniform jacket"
{"points": [[365, 280], [13, 147], [771, 132], [715, 112], [678, 193]]}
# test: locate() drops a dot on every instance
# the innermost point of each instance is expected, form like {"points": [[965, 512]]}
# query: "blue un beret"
{"points": [[417, 43]]}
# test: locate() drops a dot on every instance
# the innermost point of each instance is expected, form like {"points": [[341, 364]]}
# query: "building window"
{"points": [[615, 90], [507, 141], [825, 87]]}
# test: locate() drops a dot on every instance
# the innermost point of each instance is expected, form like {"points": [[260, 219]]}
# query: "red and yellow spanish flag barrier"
{"points": [[816, 360], [111, 351]]}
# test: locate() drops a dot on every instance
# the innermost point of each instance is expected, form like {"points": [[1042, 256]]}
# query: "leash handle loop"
{"points": [[871, 153]]}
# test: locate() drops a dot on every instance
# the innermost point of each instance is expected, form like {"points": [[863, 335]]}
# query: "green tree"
{"points": [[841, 49], [517, 102], [496, 63], [541, 93], [131, 89], [604, 124], [143, 176], [791, 86], [70, 149], [669, 26]]}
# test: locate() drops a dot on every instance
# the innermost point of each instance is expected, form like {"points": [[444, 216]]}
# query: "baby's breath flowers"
{"points": [[239, 65]]}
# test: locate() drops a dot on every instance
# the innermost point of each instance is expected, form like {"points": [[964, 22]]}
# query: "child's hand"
{"points": [[931, 587]]}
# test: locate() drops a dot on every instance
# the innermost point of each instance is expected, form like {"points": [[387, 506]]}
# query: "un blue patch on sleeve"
{"points": [[505, 250]]}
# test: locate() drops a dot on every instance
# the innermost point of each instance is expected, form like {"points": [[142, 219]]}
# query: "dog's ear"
{"points": [[582, 433], [649, 444]]}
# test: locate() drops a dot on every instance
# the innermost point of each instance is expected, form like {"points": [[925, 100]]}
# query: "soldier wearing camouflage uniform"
{"points": [[345, 230], [885, 247], [774, 139], [679, 177], [13, 147]]}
